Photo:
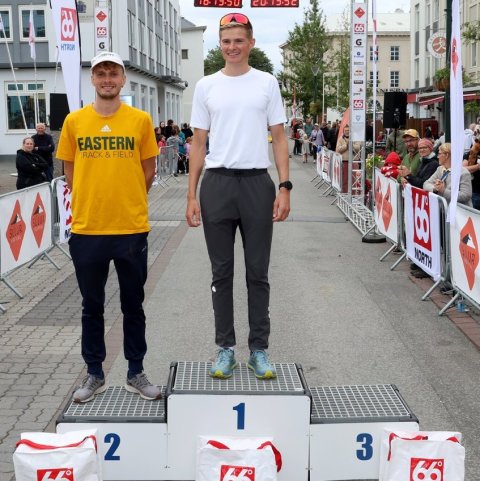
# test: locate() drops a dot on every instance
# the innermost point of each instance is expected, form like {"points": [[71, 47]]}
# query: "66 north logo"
{"points": [[68, 24], [58, 474], [421, 218], [236, 473], [426, 469]]}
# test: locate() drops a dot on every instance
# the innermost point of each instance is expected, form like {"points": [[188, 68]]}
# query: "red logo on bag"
{"points": [[421, 219], [426, 469], [236, 473], [57, 474]]}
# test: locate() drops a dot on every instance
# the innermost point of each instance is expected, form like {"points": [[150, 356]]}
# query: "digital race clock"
{"points": [[218, 3], [275, 3]]}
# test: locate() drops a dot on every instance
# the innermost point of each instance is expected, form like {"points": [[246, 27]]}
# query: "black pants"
{"points": [[91, 255], [246, 202]]}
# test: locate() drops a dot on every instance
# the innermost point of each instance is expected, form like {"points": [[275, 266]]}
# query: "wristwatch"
{"points": [[286, 185]]}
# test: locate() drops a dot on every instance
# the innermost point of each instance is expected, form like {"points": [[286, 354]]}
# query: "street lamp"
{"points": [[323, 90]]}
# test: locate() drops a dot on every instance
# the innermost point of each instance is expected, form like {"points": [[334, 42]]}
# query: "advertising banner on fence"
{"points": [[327, 157], [465, 252], [422, 230], [386, 206], [337, 171], [320, 163], [64, 206], [25, 226]]}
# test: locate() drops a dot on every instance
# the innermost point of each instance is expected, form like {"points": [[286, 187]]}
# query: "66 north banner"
{"points": [[422, 230], [386, 206], [67, 34]]}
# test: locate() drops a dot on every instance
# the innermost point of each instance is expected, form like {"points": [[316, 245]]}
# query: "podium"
{"points": [[323, 433]]}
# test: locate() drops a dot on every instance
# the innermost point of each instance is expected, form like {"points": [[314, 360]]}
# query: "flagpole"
{"points": [[446, 113], [13, 74]]}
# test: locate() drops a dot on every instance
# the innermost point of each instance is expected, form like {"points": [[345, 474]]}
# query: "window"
{"points": [[6, 15], [132, 37], [371, 52], [38, 23], [30, 97], [371, 78], [394, 52], [474, 54], [184, 54], [394, 79]]}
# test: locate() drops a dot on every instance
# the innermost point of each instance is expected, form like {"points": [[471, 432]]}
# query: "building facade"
{"points": [[428, 18], [146, 33]]}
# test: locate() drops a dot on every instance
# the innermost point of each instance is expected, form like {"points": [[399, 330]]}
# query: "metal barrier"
{"points": [[25, 228], [167, 165]]}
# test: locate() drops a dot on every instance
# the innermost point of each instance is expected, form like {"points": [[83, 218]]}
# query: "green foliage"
{"points": [[471, 107], [471, 31], [258, 59], [307, 45]]}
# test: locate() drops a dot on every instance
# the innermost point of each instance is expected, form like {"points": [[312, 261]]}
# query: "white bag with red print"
{"points": [[237, 459], [71, 456], [417, 435], [424, 459]]}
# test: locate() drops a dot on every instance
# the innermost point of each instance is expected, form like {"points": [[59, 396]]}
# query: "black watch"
{"points": [[287, 185]]}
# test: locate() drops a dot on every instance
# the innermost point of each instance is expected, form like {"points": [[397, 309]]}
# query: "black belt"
{"points": [[237, 172]]}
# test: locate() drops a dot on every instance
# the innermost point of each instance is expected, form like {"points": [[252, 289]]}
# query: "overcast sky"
{"points": [[270, 25]]}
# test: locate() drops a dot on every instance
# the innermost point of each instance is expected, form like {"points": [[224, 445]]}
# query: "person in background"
{"points": [[472, 164], [395, 143], [187, 131], [44, 146], [390, 165], [343, 149], [31, 168], [168, 128], [411, 160], [428, 165], [237, 191], [307, 129], [110, 173], [441, 180]]}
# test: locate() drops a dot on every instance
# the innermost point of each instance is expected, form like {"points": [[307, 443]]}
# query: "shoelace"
{"points": [[223, 355], [261, 356], [141, 380], [90, 381]]}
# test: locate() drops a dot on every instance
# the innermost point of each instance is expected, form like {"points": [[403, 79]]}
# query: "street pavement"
{"points": [[335, 309]]}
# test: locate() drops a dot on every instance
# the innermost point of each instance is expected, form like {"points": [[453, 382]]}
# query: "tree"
{"points": [[306, 63], [258, 59]]}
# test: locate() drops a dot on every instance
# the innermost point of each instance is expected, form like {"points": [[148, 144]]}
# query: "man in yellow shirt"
{"points": [[109, 150]]}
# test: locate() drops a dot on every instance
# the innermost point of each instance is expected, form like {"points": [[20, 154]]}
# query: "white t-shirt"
{"points": [[237, 112]]}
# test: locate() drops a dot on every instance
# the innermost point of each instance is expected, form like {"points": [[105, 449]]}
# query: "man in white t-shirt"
{"points": [[235, 107]]}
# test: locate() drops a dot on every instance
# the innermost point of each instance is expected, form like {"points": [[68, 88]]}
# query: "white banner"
{"points": [[385, 211], [337, 171], [320, 163], [423, 230], [102, 30], [25, 226], [327, 158], [465, 252], [358, 72], [456, 106], [65, 20], [64, 206]]}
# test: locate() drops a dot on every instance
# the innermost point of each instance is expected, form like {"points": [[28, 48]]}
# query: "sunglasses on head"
{"points": [[235, 18]]}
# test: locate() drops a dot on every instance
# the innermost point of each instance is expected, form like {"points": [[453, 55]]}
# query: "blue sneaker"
{"points": [[261, 366], [224, 364]]}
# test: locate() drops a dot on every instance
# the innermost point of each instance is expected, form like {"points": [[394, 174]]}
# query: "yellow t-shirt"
{"points": [[109, 194]]}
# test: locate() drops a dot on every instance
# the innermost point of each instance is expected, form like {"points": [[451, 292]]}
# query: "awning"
{"points": [[430, 100]]}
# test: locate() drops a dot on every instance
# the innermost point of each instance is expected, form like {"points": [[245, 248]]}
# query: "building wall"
{"points": [[146, 33]]}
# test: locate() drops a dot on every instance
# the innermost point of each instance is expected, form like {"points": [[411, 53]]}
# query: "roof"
{"points": [[187, 25], [398, 22]]}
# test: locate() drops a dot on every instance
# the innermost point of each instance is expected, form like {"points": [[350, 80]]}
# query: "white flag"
{"points": [[456, 107], [31, 36], [65, 20], [2, 28]]}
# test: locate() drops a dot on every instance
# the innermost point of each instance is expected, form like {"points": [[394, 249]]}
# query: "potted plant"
{"points": [[471, 107], [442, 79]]}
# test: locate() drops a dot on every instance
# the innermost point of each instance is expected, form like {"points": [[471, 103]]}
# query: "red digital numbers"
{"points": [[275, 3], [218, 3]]}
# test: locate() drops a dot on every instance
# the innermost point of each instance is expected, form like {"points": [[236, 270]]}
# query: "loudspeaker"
{"points": [[58, 110], [394, 110]]}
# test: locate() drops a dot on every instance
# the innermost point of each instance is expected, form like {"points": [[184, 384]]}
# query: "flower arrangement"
{"points": [[372, 161]]}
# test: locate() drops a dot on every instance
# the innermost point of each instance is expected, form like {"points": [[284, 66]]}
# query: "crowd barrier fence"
{"points": [[415, 221]]}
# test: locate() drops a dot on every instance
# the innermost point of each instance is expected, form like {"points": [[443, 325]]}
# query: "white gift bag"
{"points": [[237, 459], [418, 435], [425, 460], [71, 456]]}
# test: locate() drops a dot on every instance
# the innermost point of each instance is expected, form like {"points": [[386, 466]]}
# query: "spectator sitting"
{"points": [[471, 163], [428, 165], [31, 167], [440, 182], [411, 159], [390, 165]]}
